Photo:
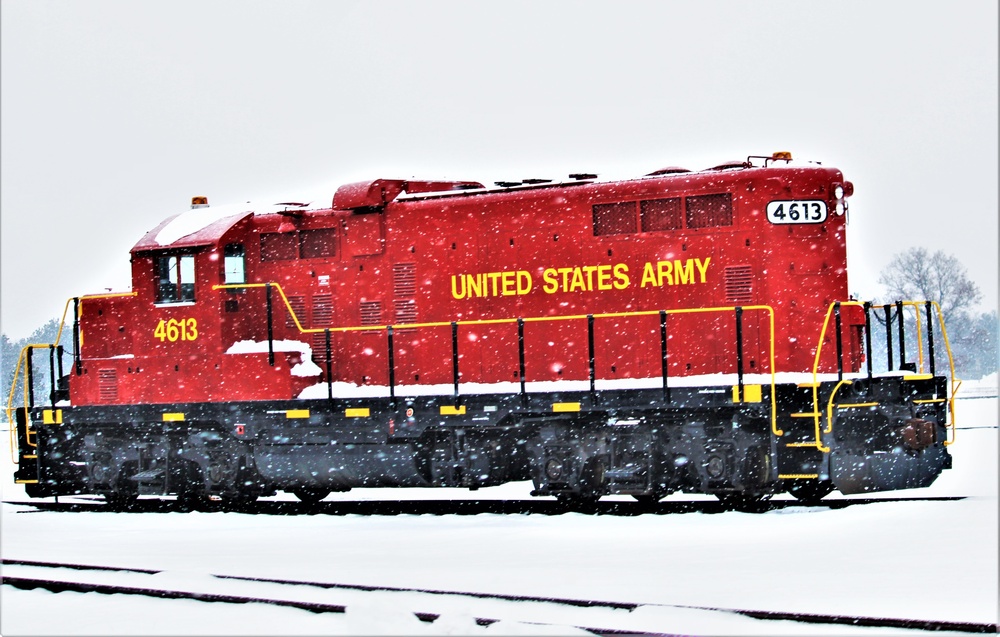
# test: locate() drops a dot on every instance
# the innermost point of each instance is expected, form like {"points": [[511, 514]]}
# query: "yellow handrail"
{"points": [[956, 383], [22, 363], [534, 319]]}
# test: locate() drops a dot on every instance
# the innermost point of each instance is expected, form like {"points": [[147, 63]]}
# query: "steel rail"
{"points": [[28, 583]]}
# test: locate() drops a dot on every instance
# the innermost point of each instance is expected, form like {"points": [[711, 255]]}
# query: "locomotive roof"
{"points": [[202, 226]]}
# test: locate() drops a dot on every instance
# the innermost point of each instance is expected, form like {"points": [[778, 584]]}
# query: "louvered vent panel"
{"points": [[298, 304], [319, 347], [107, 384], [322, 310], [739, 284], [406, 311], [404, 279], [371, 312]]}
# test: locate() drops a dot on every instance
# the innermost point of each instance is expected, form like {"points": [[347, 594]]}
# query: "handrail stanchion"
{"points": [[840, 341], [329, 367], [739, 353], [60, 352], [270, 328], [592, 371], [520, 357], [902, 336], [888, 335], [868, 345], [77, 361], [454, 354], [930, 336], [392, 366], [52, 376], [663, 354], [30, 377]]}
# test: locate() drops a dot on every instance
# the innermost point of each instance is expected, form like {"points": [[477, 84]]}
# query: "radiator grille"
{"points": [[406, 311], [298, 305], [107, 384], [739, 284], [322, 310], [404, 279], [371, 312]]}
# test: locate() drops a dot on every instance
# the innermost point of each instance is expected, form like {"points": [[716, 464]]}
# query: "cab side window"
{"points": [[174, 278], [235, 264]]}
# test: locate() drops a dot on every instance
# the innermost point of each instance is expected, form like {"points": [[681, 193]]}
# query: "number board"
{"points": [[797, 211]]}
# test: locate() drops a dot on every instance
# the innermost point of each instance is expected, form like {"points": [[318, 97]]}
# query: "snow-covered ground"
{"points": [[918, 559]]}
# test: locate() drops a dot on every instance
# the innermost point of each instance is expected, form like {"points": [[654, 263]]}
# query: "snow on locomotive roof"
{"points": [[202, 225]]}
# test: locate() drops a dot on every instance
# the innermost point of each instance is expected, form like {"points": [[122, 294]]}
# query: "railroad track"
{"points": [[460, 507], [486, 608]]}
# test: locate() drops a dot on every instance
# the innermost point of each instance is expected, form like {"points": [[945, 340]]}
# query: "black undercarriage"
{"points": [[737, 443]]}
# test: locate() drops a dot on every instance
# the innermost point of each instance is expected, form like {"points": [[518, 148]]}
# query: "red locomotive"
{"points": [[420, 333]]}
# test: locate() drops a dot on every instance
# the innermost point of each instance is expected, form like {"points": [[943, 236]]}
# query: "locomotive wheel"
{"points": [[810, 491], [309, 495], [126, 491]]}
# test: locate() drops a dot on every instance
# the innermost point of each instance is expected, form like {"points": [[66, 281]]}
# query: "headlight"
{"points": [[554, 469], [838, 192]]}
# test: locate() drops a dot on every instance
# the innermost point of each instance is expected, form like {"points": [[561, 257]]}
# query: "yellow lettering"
{"points": [[589, 270], [684, 272], [648, 275], [493, 281], [551, 285], [663, 269], [477, 288], [578, 281], [702, 268], [509, 283], [565, 278], [454, 288], [621, 276], [523, 282], [603, 277]]}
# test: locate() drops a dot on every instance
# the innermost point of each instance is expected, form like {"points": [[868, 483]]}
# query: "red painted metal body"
{"points": [[393, 252]]}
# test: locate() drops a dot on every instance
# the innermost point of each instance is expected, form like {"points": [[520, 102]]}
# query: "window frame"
{"points": [[170, 272]]}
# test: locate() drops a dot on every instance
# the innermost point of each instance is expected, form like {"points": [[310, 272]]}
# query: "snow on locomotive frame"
{"points": [[679, 331]]}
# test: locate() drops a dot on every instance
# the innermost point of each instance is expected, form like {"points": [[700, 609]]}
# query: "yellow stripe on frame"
{"points": [[451, 410], [798, 476], [357, 412], [173, 417], [565, 407], [297, 413]]}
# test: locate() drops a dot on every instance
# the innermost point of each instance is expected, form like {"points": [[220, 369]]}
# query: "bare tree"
{"points": [[918, 275]]}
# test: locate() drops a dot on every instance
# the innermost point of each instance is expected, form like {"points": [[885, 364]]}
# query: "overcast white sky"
{"points": [[115, 113]]}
